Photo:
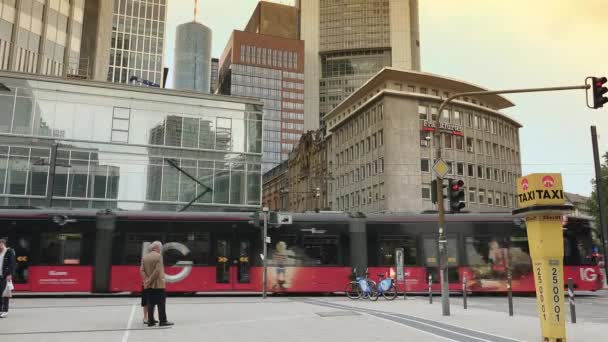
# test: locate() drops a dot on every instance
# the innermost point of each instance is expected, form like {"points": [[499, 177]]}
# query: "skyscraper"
{"points": [[138, 40], [192, 67], [41, 37], [348, 41]]}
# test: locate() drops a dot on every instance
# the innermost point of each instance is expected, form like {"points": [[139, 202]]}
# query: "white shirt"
{"points": [[2, 254]]}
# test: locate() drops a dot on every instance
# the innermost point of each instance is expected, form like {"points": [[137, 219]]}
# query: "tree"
{"points": [[593, 201]]}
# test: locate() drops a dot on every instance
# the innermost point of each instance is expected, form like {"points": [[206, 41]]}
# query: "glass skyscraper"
{"points": [[118, 146], [138, 40], [192, 66], [42, 36]]}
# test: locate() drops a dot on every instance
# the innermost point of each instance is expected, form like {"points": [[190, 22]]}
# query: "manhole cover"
{"points": [[337, 313]]}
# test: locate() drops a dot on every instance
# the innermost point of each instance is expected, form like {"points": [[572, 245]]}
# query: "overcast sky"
{"points": [[496, 44]]}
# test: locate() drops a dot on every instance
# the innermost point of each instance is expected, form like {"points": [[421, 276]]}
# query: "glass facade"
{"points": [[138, 39], [192, 67], [117, 146], [41, 36]]}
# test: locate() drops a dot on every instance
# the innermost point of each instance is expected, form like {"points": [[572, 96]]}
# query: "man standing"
{"points": [[154, 282], [7, 268]]}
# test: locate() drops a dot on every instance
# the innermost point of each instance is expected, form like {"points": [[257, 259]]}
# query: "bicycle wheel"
{"points": [[353, 290], [373, 294], [390, 294]]}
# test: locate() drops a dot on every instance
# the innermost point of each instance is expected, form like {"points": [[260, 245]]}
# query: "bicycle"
{"points": [[361, 287], [386, 287]]}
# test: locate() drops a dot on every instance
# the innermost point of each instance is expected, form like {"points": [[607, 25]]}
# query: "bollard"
{"points": [[430, 289], [571, 300], [510, 291], [464, 292]]}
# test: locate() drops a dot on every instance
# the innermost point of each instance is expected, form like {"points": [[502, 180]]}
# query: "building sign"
{"points": [[429, 126], [540, 189]]}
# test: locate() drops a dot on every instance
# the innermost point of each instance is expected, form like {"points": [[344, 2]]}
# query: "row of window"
{"points": [[293, 85], [481, 196], [359, 174], [359, 124], [256, 81], [269, 57], [293, 126], [365, 196], [293, 105], [290, 136], [471, 120], [141, 9], [482, 147], [293, 96], [251, 70], [293, 75], [242, 90], [360, 149], [292, 116], [470, 170]]}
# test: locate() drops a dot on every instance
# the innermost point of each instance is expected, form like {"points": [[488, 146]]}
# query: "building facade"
{"points": [[271, 69], [137, 41], [215, 64], [42, 36], [274, 188], [348, 41], [118, 146], [192, 67], [383, 147], [274, 19]]}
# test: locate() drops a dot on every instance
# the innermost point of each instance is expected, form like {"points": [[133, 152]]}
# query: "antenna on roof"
{"points": [[195, 9]]}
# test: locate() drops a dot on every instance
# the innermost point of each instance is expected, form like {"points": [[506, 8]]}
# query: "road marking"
{"points": [[407, 326], [125, 336]]}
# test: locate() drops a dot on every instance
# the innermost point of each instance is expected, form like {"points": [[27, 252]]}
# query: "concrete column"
{"points": [[102, 265], [358, 244]]}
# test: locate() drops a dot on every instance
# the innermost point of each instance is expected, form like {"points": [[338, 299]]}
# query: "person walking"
{"points": [[154, 282], [7, 268]]}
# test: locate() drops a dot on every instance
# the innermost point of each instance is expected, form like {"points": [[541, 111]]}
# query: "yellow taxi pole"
{"points": [[541, 201]]}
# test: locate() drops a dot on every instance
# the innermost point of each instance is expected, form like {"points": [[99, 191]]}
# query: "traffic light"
{"points": [[434, 190], [456, 195], [599, 89]]}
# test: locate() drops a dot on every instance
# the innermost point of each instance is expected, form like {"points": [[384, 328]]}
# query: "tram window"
{"points": [[519, 251], [321, 250], [388, 244], [135, 247], [61, 249], [431, 248], [487, 250], [198, 244]]}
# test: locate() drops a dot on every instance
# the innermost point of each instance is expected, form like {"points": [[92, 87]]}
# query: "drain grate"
{"points": [[341, 313]]}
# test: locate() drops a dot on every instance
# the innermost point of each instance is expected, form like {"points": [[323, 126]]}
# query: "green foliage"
{"points": [[593, 201]]}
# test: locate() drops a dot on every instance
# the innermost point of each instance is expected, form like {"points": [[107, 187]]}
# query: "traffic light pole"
{"points": [[442, 240], [599, 184], [265, 251]]}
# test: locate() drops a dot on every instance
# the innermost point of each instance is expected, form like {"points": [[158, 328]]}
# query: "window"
{"points": [[456, 116], [470, 145], [445, 115], [497, 199], [472, 195], [426, 192], [481, 196], [495, 146], [380, 138], [320, 250], [488, 173], [490, 197], [388, 245], [504, 176], [476, 122], [120, 124], [488, 148], [447, 141], [450, 167], [479, 146], [471, 170], [425, 138], [480, 172], [424, 165], [381, 165], [423, 112], [469, 119], [434, 111], [63, 249], [496, 178], [460, 169], [459, 142]]}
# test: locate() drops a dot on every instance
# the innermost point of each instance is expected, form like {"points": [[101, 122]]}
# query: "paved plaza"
{"points": [[318, 319]]}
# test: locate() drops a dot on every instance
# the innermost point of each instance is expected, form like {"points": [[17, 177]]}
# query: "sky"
{"points": [[496, 44]]}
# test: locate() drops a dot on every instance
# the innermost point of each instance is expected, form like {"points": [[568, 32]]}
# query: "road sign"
{"points": [[399, 264], [541, 200], [441, 168]]}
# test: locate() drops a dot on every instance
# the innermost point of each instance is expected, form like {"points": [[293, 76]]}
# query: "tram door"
{"points": [[431, 259], [233, 257], [22, 247]]}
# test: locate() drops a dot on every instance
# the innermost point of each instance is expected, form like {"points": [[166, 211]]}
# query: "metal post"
{"points": [[510, 290], [571, 300], [464, 292], [445, 294], [50, 185], [430, 289], [265, 251], [601, 196]]}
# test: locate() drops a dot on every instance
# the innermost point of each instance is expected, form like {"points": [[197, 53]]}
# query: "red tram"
{"points": [[89, 251]]}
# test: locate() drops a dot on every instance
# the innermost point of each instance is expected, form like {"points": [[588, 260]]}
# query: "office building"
{"points": [[42, 37], [137, 41], [272, 69], [348, 41], [215, 64], [192, 66], [115, 144], [97, 37], [383, 148], [273, 19]]}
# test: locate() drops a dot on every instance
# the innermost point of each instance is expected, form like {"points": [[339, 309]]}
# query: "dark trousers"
{"points": [[157, 297], [3, 301]]}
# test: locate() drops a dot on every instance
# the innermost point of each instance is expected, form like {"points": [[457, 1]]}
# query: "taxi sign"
{"points": [[540, 189], [441, 168]]}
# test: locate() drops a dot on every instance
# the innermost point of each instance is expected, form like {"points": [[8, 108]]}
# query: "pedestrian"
{"points": [[154, 282], [7, 268], [144, 291]]}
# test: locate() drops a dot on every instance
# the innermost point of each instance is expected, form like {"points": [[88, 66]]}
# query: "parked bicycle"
{"points": [[361, 287], [386, 287]]}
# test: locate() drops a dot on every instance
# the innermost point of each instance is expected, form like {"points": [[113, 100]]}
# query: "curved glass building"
{"points": [[192, 69]]}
